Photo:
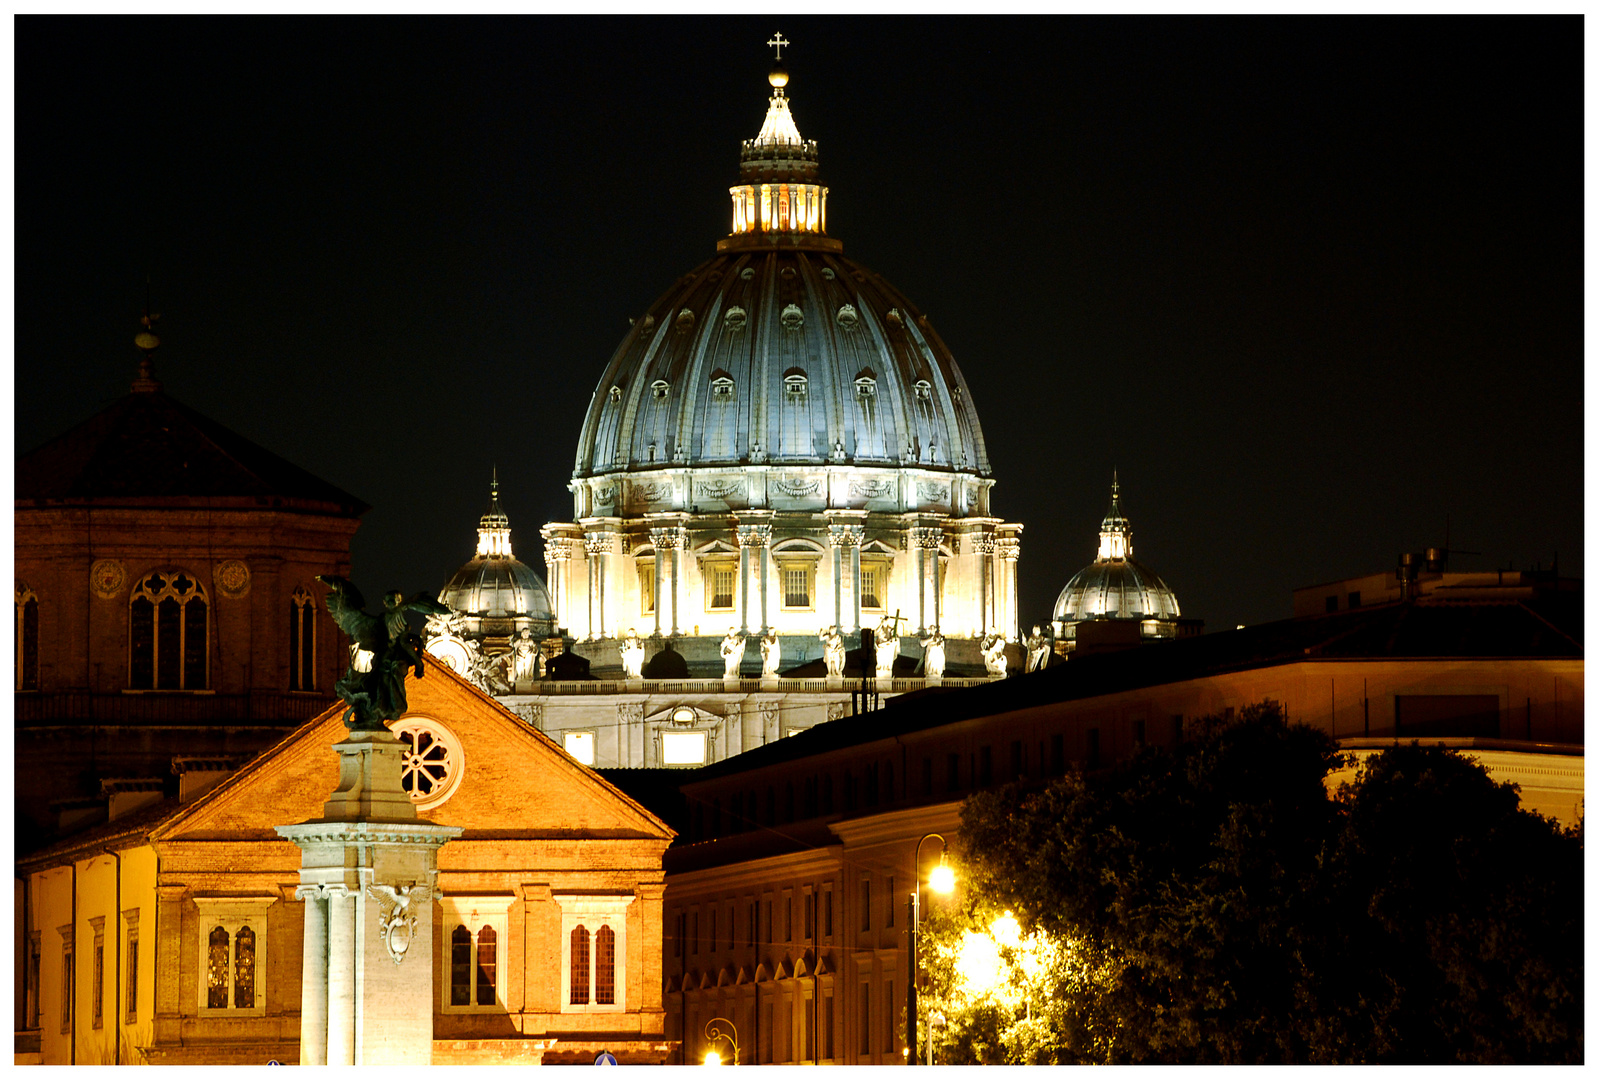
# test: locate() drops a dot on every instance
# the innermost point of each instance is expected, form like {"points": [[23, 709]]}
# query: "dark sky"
{"points": [[1313, 285]]}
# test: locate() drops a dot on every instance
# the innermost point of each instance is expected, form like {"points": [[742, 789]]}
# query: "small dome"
{"points": [[494, 584], [1115, 585], [498, 588]]}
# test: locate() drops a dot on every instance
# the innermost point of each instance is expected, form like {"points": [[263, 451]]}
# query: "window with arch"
{"points": [[593, 952], [302, 639], [27, 638], [475, 961], [168, 633], [232, 955]]}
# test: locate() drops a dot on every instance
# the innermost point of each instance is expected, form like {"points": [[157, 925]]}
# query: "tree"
{"points": [[1214, 903]]}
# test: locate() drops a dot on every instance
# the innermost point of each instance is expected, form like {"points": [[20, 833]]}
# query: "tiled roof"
{"points": [[1391, 632], [130, 828], [148, 446]]}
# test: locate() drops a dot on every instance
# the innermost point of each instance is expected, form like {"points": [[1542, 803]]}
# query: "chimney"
{"points": [[198, 775]]}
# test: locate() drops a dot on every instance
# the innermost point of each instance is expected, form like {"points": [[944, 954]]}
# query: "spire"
{"points": [[1115, 532], [494, 528]]}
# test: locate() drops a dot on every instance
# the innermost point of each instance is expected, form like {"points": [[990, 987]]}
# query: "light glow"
{"points": [[942, 879], [713, 1058]]}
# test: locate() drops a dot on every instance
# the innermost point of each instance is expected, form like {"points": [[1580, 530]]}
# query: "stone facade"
{"points": [[546, 847]]}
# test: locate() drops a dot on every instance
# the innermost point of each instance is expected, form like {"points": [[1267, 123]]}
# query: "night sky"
{"points": [[1313, 286]]}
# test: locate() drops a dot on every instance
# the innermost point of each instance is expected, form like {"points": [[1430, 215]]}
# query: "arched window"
{"points": [[580, 965], [302, 640], [216, 975], [461, 966], [605, 966], [168, 640], [27, 638], [486, 963], [244, 969]]}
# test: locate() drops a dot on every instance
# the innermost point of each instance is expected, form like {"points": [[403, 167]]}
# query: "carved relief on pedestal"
{"points": [[397, 924], [630, 712]]}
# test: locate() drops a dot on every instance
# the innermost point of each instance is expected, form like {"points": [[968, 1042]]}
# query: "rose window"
{"points": [[431, 761]]}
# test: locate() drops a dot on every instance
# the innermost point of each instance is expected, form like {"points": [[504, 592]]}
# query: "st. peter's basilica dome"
{"points": [[783, 443]]}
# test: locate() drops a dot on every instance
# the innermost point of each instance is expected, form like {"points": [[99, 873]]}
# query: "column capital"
{"points": [[754, 536]]}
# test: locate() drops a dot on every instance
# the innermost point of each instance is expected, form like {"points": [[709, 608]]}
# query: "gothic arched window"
{"points": [[27, 638], [168, 639], [605, 966], [302, 640]]}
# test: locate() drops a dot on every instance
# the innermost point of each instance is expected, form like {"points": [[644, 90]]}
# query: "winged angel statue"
{"points": [[384, 648]]}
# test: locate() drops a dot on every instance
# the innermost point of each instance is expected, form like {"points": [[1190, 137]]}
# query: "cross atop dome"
{"points": [[1115, 532], [494, 528], [777, 42]]}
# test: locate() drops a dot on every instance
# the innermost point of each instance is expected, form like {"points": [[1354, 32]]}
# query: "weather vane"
{"points": [[777, 42]]}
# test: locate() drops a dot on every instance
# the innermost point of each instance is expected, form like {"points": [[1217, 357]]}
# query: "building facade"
{"points": [[787, 901], [174, 935], [166, 603]]}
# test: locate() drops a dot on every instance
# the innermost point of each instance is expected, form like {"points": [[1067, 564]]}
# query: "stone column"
{"points": [[1009, 549], [597, 545], [658, 542], [376, 864], [925, 539], [758, 536], [855, 579], [314, 977], [743, 586], [984, 544], [339, 1023]]}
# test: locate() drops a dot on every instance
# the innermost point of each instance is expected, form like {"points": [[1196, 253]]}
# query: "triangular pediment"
{"points": [[516, 783]]}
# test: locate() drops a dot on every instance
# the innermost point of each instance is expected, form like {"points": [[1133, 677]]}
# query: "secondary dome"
{"points": [[780, 349], [498, 594], [1115, 585]]}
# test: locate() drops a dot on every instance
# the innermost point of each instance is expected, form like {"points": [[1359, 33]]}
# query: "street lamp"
{"points": [[941, 880], [713, 1033]]}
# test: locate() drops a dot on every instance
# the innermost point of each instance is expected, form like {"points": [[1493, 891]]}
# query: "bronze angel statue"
{"points": [[384, 648]]}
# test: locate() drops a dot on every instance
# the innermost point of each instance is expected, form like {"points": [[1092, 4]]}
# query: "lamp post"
{"points": [[713, 1033], [941, 880]]}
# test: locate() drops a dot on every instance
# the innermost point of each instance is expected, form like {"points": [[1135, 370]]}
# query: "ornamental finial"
{"points": [[777, 42]]}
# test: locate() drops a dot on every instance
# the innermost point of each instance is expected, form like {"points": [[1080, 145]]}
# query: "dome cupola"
{"points": [[498, 594], [1115, 586]]}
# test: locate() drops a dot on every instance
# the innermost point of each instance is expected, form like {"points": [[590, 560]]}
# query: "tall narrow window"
{"points": [[646, 585], [890, 1008], [605, 966], [27, 638], [580, 966], [711, 936], [66, 978], [35, 963], [216, 969], [720, 577], [866, 1019], [302, 640], [486, 965], [461, 966], [130, 920], [827, 1025], [97, 985], [244, 969], [168, 641]]}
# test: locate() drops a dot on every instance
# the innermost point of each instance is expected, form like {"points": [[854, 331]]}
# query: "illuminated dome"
{"points": [[498, 594], [781, 443], [781, 350], [1115, 585]]}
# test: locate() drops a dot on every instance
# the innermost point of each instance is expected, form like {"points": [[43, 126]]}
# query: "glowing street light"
{"points": [[941, 880], [713, 1033]]}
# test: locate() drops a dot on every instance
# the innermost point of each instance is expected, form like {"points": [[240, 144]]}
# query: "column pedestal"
{"points": [[367, 873]]}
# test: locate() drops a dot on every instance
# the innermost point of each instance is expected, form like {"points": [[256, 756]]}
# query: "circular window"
{"points": [[432, 764]]}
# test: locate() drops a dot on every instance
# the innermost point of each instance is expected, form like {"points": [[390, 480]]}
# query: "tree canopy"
{"points": [[1215, 903]]}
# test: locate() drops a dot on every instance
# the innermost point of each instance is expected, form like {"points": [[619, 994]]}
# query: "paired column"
{"points": [[925, 538], [754, 541], [658, 541], [314, 976], [597, 546], [984, 543], [339, 1018], [845, 533], [1009, 549]]}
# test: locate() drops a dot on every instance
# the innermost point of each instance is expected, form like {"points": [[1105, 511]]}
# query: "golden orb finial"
{"points": [[778, 78], [146, 342]]}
